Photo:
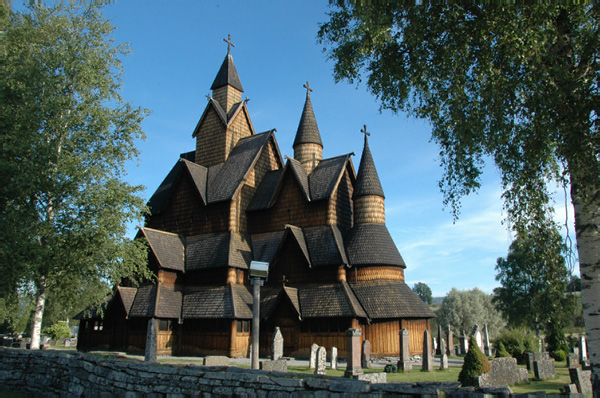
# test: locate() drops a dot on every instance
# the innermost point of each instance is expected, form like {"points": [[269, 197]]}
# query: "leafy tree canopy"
{"points": [[424, 292], [66, 135]]}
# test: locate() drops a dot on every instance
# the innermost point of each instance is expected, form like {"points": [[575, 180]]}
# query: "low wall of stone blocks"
{"points": [[73, 374]]}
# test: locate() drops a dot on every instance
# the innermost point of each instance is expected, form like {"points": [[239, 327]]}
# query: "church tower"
{"points": [[225, 119], [369, 200], [308, 148]]}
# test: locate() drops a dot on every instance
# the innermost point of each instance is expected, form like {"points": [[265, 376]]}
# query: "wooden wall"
{"points": [[375, 273], [416, 328], [210, 141], [341, 206], [239, 128], [384, 337]]}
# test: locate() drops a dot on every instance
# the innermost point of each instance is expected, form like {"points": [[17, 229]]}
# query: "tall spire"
{"points": [[308, 131], [227, 73], [367, 180]]}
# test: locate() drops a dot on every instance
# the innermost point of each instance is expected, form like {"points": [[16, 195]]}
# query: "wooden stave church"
{"points": [[320, 226]]}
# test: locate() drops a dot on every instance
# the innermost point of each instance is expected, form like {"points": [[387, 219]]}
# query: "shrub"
{"points": [[518, 342], [391, 368], [501, 351], [59, 330], [559, 355], [476, 363]]}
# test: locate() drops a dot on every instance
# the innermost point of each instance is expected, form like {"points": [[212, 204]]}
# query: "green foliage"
{"points": [[475, 364], [559, 355], [58, 331], [424, 292], [534, 280], [391, 368], [463, 309], [555, 337], [66, 136], [518, 342], [501, 351]]}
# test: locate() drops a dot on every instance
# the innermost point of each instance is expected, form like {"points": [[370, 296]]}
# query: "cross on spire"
{"points": [[364, 131], [307, 87], [229, 43]]}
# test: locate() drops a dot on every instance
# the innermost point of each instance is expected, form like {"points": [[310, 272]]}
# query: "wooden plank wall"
{"points": [[210, 141], [416, 328], [341, 206], [205, 343], [384, 337], [165, 343]]}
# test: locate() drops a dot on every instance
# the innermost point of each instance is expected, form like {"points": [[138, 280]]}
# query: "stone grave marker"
{"points": [[464, 344], [544, 369], [404, 363], [450, 337], [443, 356], [582, 379], [334, 358], [321, 368], [531, 358], [353, 353], [434, 345], [477, 334], [279, 365], [427, 358], [312, 363], [572, 360], [504, 371], [487, 348], [374, 378], [440, 336], [582, 349], [277, 345], [151, 341], [216, 360], [366, 355]]}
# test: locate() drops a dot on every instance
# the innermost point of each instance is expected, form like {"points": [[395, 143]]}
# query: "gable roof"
{"points": [[325, 245], [144, 302], [217, 302], [168, 303], [265, 245], [127, 295], [390, 299], [168, 248], [326, 176], [227, 75], [308, 131], [339, 304], [221, 249], [367, 180], [225, 118], [372, 244], [265, 193]]}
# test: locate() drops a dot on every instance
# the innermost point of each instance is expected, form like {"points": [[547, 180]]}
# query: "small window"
{"points": [[165, 325], [243, 326], [98, 326]]}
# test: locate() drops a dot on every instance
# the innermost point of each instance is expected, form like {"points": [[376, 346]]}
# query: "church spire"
{"points": [[227, 87], [369, 200], [308, 147]]}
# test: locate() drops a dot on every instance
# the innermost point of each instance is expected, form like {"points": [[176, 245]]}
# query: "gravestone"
{"points": [[443, 356], [404, 363], [312, 363], [366, 355], [477, 334], [277, 345], [544, 369], [438, 350], [457, 350], [531, 358], [216, 360], [582, 379], [504, 372], [487, 349], [353, 353], [374, 378], [582, 349], [572, 360], [450, 337], [334, 358], [435, 345], [464, 344], [570, 388], [279, 365], [427, 358], [321, 368], [151, 340]]}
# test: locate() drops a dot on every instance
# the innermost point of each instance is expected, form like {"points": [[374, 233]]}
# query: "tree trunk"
{"points": [[587, 229], [38, 314]]}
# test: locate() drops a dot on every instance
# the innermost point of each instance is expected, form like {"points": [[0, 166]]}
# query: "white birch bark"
{"points": [[38, 315], [587, 225]]}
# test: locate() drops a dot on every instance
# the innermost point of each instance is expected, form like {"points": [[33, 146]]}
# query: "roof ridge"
{"points": [[348, 292], [227, 75]]}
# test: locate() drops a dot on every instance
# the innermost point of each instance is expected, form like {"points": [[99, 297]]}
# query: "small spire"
{"points": [[229, 43], [307, 87], [367, 180], [308, 131]]}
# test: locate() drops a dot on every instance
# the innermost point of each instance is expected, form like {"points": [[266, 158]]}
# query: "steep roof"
{"points": [[216, 250], [308, 131], [372, 244], [144, 302], [265, 245], [168, 303], [227, 75], [225, 118], [390, 299], [326, 176], [217, 302], [367, 179], [325, 245], [127, 295], [167, 247], [339, 304]]}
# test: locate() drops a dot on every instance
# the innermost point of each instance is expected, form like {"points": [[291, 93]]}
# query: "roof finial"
{"points": [[229, 43], [307, 87], [208, 97], [364, 131]]}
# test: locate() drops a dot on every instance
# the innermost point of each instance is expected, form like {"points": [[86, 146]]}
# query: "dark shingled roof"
{"points": [[325, 245], [325, 177], [169, 303], [297, 233], [390, 299], [225, 179], [327, 300], [301, 176], [225, 302], [264, 246], [371, 244], [266, 191], [227, 75], [269, 297], [167, 247], [242, 302], [367, 180], [308, 131], [127, 295], [144, 302], [215, 250]]}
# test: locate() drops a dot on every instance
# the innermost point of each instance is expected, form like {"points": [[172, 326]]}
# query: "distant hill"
{"points": [[437, 300]]}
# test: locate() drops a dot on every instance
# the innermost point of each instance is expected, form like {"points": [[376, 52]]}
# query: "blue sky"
{"points": [[177, 49]]}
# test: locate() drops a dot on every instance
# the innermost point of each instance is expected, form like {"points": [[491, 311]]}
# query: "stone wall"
{"points": [[56, 373]]}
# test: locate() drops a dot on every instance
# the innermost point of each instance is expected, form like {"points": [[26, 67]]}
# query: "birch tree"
{"points": [[66, 136], [513, 84]]}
